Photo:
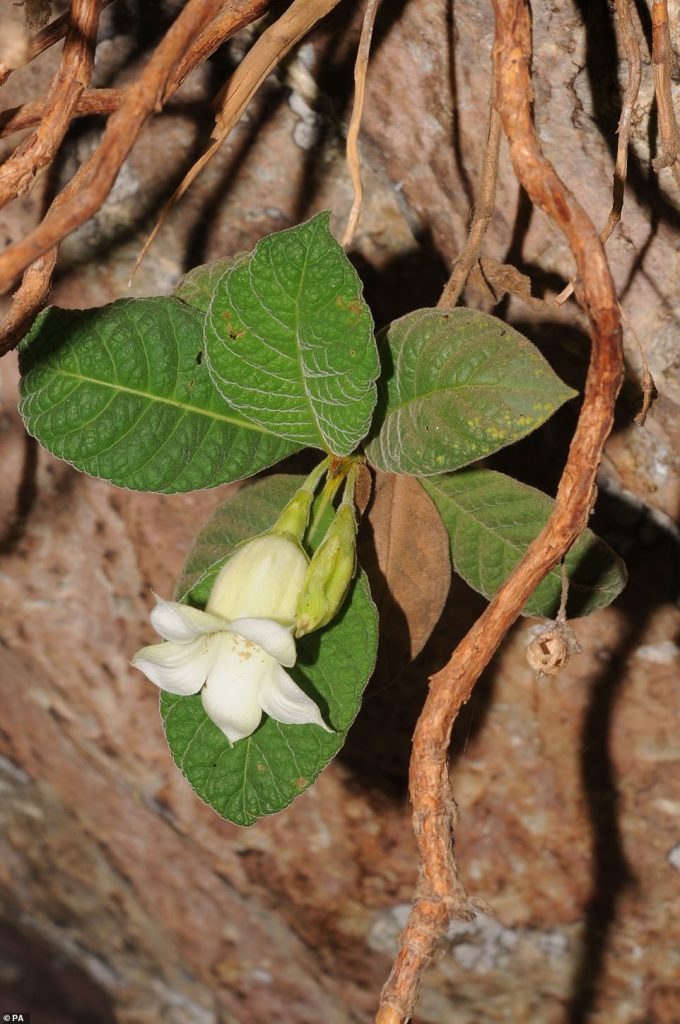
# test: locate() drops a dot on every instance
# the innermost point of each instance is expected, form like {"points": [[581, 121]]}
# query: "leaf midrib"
{"points": [[196, 410], [462, 387]]}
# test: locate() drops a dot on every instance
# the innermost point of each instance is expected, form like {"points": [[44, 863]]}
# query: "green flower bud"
{"points": [[293, 520], [329, 574]]}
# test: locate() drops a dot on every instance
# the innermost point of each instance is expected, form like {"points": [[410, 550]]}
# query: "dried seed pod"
{"points": [[551, 647]]}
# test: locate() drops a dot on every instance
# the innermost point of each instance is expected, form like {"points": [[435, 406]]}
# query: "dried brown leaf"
{"points": [[404, 548], [493, 280], [363, 488]]}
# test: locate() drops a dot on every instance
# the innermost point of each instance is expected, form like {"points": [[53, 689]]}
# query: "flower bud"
{"points": [[293, 520], [262, 579], [329, 575]]}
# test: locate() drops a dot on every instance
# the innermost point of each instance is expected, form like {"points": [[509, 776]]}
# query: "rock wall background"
{"points": [[123, 898]]}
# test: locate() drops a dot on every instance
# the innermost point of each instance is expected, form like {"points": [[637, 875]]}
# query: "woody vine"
{"points": [[271, 636]]}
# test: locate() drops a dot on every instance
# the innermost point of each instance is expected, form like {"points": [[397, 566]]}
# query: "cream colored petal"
{"points": [[261, 580], [272, 637], [230, 693], [284, 701], [181, 623], [176, 668]]}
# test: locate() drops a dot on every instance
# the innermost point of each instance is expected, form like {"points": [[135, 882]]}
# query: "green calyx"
{"points": [[330, 571], [292, 522]]}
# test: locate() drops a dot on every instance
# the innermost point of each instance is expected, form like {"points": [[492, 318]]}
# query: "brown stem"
{"points": [[94, 180], [440, 891], [232, 100], [230, 20], [42, 41], [88, 189], [631, 48], [647, 385], [482, 214], [18, 172], [662, 63], [92, 101], [353, 159]]}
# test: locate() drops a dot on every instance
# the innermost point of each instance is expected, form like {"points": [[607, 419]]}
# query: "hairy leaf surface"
{"points": [[457, 386], [290, 340], [122, 392], [492, 519]]}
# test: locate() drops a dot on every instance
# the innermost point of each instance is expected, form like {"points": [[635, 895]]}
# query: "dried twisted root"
{"points": [[440, 893], [17, 174], [233, 17]]}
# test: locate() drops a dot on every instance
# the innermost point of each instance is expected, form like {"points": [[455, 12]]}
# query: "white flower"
{"points": [[235, 651]]}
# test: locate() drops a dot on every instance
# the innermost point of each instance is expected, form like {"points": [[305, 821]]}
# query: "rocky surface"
{"points": [[123, 898]]}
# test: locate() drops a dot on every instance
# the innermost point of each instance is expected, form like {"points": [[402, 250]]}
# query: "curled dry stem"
{"points": [[440, 891], [353, 159], [483, 212], [18, 172], [631, 48], [232, 101]]}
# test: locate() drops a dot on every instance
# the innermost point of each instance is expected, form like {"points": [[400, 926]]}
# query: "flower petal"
{"points": [[284, 701], [181, 623], [176, 668], [230, 694], [271, 636], [262, 579]]}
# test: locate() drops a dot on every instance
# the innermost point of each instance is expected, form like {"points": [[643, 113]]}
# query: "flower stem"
{"points": [[348, 493], [327, 495]]}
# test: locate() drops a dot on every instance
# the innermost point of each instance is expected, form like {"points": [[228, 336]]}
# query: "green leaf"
{"points": [[456, 387], [290, 342], [122, 392], [492, 519], [264, 772], [198, 285]]}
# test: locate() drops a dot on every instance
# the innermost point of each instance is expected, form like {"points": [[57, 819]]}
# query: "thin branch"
{"points": [[440, 892], [232, 101], [42, 41], [662, 62], [18, 172], [631, 49], [493, 280], [482, 214], [92, 101], [353, 159], [230, 20], [647, 385]]}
